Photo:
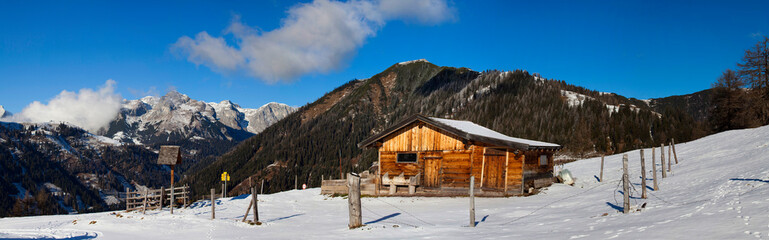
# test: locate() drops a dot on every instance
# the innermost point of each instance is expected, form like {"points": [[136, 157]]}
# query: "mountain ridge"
{"points": [[313, 141]]}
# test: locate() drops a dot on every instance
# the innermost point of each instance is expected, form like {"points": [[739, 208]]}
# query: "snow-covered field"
{"points": [[719, 190]]}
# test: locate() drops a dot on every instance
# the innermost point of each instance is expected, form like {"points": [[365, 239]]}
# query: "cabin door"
{"points": [[494, 169], [432, 172]]}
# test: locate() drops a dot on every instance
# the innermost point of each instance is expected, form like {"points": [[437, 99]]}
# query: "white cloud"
{"points": [[89, 109], [315, 37]]}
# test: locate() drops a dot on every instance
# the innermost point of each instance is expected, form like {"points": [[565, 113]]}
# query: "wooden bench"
{"points": [[401, 180]]}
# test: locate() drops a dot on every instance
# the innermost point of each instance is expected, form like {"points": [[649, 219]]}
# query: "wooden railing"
{"points": [[156, 198]]}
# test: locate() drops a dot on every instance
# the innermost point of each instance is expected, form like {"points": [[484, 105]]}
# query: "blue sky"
{"points": [[637, 49]]}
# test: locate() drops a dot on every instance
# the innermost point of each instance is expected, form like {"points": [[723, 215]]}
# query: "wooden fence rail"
{"points": [[151, 198]]}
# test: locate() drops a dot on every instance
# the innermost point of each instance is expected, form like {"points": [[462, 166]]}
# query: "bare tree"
{"points": [[754, 69], [730, 106], [730, 80]]}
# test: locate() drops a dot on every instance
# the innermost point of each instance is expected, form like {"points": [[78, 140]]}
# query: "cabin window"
{"points": [[542, 160], [407, 158]]}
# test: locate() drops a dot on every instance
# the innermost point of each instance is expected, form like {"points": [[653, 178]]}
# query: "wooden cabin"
{"points": [[437, 157]]}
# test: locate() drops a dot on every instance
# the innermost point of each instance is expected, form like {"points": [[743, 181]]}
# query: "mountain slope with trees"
{"points": [[318, 137]]}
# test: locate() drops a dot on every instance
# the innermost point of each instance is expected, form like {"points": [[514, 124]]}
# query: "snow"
{"points": [[574, 99], [198, 138], [106, 140], [413, 61], [718, 190], [53, 189], [475, 129]]}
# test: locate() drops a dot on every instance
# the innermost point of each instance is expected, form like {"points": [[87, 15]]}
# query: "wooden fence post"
{"points": [[162, 196], [472, 201], [643, 175], [213, 204], [186, 194], [261, 190], [255, 202], [654, 168], [248, 209], [670, 159], [144, 206], [295, 182], [625, 186], [662, 160], [127, 196], [353, 200], [600, 178], [673, 141]]}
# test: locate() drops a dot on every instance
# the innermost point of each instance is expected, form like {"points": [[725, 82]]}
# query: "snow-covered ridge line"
{"points": [[413, 61]]}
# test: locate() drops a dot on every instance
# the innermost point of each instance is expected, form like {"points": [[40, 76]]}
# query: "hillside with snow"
{"points": [[718, 190]]}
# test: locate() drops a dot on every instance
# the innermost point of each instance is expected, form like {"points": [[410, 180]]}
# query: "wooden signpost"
{"points": [[225, 179], [170, 156]]}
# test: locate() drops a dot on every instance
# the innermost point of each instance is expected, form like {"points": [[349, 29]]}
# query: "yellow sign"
{"points": [[225, 176]]}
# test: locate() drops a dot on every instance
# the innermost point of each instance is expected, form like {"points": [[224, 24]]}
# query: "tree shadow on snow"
{"points": [[241, 196], [618, 208], [749, 179], [631, 196], [283, 218], [83, 237], [383, 218], [647, 186]]}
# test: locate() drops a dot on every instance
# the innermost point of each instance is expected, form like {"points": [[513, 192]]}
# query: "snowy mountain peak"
{"points": [[175, 98], [413, 61], [3, 113], [176, 115]]}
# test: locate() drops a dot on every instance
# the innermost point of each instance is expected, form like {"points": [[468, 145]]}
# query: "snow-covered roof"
{"points": [[467, 130], [475, 129]]}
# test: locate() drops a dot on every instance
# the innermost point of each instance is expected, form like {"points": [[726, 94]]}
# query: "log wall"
{"points": [[421, 137], [451, 161]]}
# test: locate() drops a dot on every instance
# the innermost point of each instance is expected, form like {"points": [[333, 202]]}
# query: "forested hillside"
{"points": [[312, 141]]}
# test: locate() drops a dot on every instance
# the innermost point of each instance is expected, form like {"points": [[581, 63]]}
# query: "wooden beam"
{"points": [[483, 165], [523, 172], [507, 162], [379, 172]]}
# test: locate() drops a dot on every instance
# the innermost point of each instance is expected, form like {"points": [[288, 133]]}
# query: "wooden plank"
{"points": [[507, 161], [483, 165], [523, 169], [464, 171]]}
